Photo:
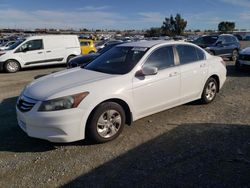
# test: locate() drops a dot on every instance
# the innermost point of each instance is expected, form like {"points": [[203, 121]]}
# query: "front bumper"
{"points": [[57, 126]]}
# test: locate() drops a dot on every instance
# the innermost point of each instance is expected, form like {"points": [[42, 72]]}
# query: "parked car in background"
{"points": [[247, 38], [224, 45], [104, 43], [128, 82], [83, 60], [6, 45], [3, 41], [39, 50], [87, 46], [238, 36], [243, 58]]}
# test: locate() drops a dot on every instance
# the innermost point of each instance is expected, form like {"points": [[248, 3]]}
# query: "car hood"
{"points": [[245, 51], [63, 82]]}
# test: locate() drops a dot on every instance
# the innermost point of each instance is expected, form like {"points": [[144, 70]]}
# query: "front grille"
{"points": [[244, 57], [25, 104]]}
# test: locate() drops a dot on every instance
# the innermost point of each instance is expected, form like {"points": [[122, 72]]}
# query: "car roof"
{"points": [[149, 44]]}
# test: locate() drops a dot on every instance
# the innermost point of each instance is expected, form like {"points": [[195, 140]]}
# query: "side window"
{"points": [[161, 58], [234, 39], [32, 45], [228, 39], [189, 54], [221, 40], [84, 43]]}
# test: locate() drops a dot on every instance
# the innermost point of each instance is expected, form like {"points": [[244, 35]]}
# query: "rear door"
{"points": [[193, 71]]}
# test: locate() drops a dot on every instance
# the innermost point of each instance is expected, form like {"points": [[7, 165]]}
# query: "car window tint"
{"points": [[221, 40], [189, 54], [117, 60], [84, 43], [33, 45], [161, 58], [228, 39], [234, 39]]}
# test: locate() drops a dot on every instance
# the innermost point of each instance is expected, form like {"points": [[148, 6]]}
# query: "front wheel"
{"points": [[106, 123], [210, 90], [11, 66]]}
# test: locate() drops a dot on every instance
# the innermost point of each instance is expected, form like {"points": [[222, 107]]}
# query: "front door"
{"points": [[157, 92], [32, 52]]}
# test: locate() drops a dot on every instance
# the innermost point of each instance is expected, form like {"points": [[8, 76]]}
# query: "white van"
{"points": [[39, 50]]}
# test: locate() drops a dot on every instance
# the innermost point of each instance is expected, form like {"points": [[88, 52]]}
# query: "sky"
{"points": [[121, 14]]}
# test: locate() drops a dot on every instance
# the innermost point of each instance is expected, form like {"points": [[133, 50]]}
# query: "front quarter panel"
{"points": [[117, 88]]}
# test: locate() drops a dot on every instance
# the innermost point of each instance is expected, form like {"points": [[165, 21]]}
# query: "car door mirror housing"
{"points": [[146, 71]]}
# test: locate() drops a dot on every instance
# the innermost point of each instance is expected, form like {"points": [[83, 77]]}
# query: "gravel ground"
{"points": [[192, 145]]}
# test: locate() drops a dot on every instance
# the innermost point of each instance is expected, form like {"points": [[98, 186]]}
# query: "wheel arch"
{"points": [[122, 103], [70, 56], [12, 59], [216, 77]]}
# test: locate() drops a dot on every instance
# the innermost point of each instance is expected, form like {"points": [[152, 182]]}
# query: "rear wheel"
{"points": [[11, 66], [91, 52], [106, 123], [210, 90], [69, 58]]}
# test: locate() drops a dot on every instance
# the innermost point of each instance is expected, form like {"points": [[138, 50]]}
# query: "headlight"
{"points": [[62, 103]]}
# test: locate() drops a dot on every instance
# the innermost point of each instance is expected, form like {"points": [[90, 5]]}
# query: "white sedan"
{"points": [[129, 82]]}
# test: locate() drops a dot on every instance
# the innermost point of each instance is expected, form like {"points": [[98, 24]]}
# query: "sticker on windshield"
{"points": [[142, 49]]}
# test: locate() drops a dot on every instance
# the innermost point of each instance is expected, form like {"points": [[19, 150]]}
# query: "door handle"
{"points": [[39, 52], [48, 51], [173, 74]]}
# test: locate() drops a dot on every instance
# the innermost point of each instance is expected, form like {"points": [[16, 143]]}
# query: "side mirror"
{"points": [[146, 71]]}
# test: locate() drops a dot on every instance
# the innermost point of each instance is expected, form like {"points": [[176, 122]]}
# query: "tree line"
{"points": [[174, 26]]}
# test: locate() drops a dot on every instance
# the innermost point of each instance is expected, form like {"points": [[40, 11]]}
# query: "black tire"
{"points": [[97, 122], [234, 55], [210, 90], [69, 58], [91, 52], [11, 66]]}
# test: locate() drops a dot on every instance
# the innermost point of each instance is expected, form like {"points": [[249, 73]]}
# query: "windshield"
{"points": [[13, 46], [117, 60]]}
